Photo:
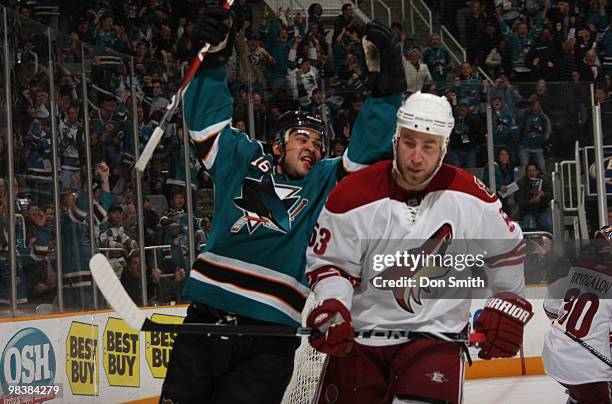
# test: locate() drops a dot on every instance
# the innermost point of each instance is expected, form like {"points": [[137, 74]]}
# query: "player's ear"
{"points": [[277, 150]]}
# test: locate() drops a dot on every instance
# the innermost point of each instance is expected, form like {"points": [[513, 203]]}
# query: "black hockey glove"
{"points": [[384, 59], [218, 27]]}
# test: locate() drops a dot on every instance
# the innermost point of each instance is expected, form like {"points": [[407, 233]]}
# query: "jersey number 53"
{"points": [[318, 239]]}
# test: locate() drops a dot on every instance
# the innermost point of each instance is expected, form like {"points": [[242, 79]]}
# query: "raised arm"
{"points": [[375, 124]]}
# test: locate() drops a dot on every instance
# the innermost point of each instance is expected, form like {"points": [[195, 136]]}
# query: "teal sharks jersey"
{"points": [[254, 260]]}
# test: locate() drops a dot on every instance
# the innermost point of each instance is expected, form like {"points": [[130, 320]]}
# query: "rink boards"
{"points": [[95, 357]]}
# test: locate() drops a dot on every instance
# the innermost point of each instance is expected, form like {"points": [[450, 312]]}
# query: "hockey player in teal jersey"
{"points": [[252, 270]]}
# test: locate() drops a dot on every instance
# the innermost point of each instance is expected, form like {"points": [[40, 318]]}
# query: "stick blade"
{"points": [[147, 153], [115, 294]]}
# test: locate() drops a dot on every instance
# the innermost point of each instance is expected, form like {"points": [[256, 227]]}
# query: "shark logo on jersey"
{"points": [[266, 203], [436, 245]]}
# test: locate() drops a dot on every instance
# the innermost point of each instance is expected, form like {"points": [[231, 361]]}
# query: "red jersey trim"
{"points": [[376, 182], [328, 271]]}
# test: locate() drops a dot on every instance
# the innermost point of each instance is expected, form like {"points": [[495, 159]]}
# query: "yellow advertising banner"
{"points": [[82, 359], [159, 345], [121, 358]]}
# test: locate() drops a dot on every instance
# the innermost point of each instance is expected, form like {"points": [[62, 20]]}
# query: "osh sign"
{"points": [[27, 359], [82, 359], [121, 358], [159, 345]]}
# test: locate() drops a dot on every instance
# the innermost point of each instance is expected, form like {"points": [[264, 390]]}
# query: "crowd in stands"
{"points": [[540, 56]]}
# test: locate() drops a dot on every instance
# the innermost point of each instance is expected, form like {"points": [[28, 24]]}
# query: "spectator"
{"points": [[178, 172], [303, 80], [203, 234], [297, 26], [156, 177], [438, 60], [346, 116], [591, 70], [40, 275], [468, 88], [563, 19], [260, 115], [466, 137], [471, 22], [318, 108], [345, 29], [509, 96], [276, 41], [542, 264], [505, 128], [510, 10], [21, 249], [315, 11], [499, 59], [584, 42], [605, 49], [548, 102], [504, 176], [544, 58], [71, 146], [175, 231], [483, 44], [158, 100], [130, 278], [114, 236], [407, 41], [254, 60], [417, 73], [533, 197], [76, 249], [151, 223], [520, 43], [535, 134], [596, 14], [338, 148], [603, 100], [37, 154]]}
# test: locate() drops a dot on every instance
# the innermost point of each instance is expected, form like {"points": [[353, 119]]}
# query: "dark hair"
{"points": [[507, 150], [531, 163], [345, 6], [312, 7]]}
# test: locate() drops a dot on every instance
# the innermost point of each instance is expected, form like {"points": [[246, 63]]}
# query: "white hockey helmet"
{"points": [[425, 113]]}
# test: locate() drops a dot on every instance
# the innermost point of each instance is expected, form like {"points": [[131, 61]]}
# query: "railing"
{"points": [[445, 37], [420, 12], [387, 8], [570, 198], [161, 247]]}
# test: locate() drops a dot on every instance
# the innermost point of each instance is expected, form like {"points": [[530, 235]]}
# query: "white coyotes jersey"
{"points": [[368, 219], [581, 303]]}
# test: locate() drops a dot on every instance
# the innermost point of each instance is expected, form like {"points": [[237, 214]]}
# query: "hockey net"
{"points": [[307, 368]]}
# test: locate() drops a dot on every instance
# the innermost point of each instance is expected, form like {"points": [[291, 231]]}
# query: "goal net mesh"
{"points": [[307, 369]]}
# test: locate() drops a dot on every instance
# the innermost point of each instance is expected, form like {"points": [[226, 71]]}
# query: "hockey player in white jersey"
{"points": [[410, 198], [580, 303]]}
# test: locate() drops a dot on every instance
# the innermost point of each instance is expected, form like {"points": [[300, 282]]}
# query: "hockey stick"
{"points": [[155, 138], [118, 298], [586, 346]]}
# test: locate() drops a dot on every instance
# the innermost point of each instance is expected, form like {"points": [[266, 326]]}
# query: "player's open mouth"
{"points": [[307, 160]]}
